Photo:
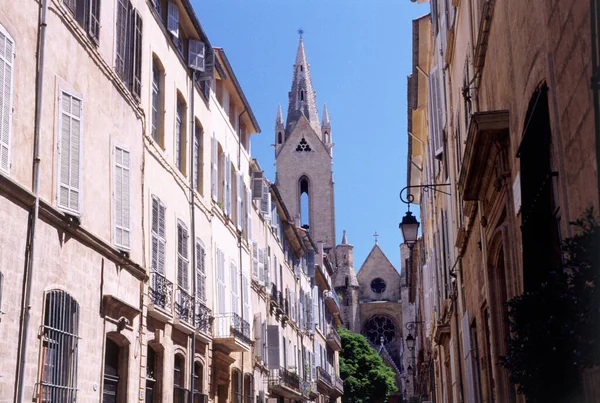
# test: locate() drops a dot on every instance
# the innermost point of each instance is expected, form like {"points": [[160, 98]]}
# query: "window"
{"points": [[180, 393], [153, 378], [182, 256], [69, 149], [87, 13], [198, 382], [304, 202], [200, 271], [303, 145], [378, 286], [7, 52], [235, 296], [214, 175], [157, 101], [115, 373], [221, 285], [249, 388], [128, 58], [60, 338], [197, 163], [180, 129], [301, 95], [279, 138], [236, 379], [157, 251], [122, 200], [380, 329]]}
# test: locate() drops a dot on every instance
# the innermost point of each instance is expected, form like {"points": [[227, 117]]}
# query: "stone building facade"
{"points": [[501, 115], [138, 229]]}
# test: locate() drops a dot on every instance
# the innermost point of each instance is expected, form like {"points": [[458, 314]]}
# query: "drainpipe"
{"points": [[27, 280], [193, 232], [239, 158], [595, 82]]}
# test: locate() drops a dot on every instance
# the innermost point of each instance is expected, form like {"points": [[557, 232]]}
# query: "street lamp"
{"points": [[409, 228], [410, 342]]}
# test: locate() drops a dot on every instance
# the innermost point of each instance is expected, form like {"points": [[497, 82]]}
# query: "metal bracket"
{"points": [[410, 198]]}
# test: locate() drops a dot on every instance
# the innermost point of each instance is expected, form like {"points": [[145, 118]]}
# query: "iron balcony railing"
{"points": [[184, 305], [161, 291], [333, 295], [283, 377], [204, 318], [324, 376], [274, 293], [231, 324]]}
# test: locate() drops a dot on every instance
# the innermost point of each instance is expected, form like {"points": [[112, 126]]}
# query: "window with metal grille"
{"points": [[180, 393], [58, 375]]}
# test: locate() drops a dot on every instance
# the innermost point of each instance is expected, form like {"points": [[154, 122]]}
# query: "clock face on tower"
{"points": [[378, 285]]}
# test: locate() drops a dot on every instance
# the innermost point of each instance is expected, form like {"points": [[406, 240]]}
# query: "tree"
{"points": [[366, 378]]}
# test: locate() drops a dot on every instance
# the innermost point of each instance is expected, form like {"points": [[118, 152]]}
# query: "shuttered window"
{"points": [[87, 14], [255, 268], [214, 177], [200, 271], [7, 52], [248, 214], [182, 256], [173, 19], [273, 341], [228, 177], [158, 240], [128, 57], [221, 285], [235, 296], [179, 135], [69, 149], [122, 199], [239, 198], [246, 296], [156, 94], [197, 167]]}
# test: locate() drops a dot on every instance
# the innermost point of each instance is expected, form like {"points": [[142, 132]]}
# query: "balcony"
{"points": [[204, 321], [284, 383], [161, 294], [324, 381], [338, 387], [333, 340], [331, 301], [184, 307], [232, 332]]}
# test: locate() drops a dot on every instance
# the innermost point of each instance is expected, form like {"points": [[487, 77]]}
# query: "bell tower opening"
{"points": [[304, 202]]}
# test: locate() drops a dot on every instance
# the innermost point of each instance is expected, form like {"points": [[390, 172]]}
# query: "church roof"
{"points": [[374, 252], [302, 97], [385, 354]]}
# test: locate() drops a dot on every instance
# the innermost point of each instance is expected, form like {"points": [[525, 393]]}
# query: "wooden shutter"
{"points": [[257, 185], [267, 271], [196, 161], [261, 266], [215, 169], [158, 236], [182, 256], [265, 202], [71, 5], [196, 55], [255, 265], [6, 99], [121, 34], [209, 69], [200, 271], [221, 286], [69, 171], [248, 213], [94, 20], [136, 65], [173, 19], [246, 297], [228, 178], [122, 199], [239, 197], [235, 296], [273, 340]]}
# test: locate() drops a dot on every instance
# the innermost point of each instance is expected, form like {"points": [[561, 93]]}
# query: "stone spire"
{"points": [[302, 97], [345, 276], [279, 119], [344, 239], [326, 120]]}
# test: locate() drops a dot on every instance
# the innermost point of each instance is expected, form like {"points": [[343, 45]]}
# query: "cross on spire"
{"points": [[300, 32], [375, 235]]}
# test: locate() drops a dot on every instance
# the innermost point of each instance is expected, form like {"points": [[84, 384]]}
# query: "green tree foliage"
{"points": [[555, 329], [366, 378]]}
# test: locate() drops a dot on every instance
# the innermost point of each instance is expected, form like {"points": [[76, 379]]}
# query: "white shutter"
{"points": [[6, 98], [257, 184], [157, 246], [235, 296], [267, 273], [293, 304], [182, 256], [246, 297], [258, 337], [122, 200], [255, 265], [275, 270], [265, 202], [196, 55], [173, 19], [215, 169], [221, 285], [240, 195], [196, 161], [200, 271], [69, 149], [261, 266], [227, 186], [249, 214], [317, 354]]}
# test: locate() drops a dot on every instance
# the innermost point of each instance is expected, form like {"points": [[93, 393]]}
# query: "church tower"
{"points": [[346, 285], [303, 158]]}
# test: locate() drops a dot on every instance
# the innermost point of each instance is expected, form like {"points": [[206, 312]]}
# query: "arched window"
{"points": [[115, 372], [279, 138], [236, 381], [301, 95], [180, 393], [60, 334], [199, 397], [249, 388], [380, 328], [153, 376], [304, 202]]}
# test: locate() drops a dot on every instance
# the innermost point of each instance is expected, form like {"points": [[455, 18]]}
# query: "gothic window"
{"points": [[301, 95], [377, 327], [279, 138], [304, 202], [378, 286], [303, 146]]}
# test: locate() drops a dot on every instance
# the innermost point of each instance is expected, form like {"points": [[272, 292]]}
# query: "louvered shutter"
{"points": [[301, 310], [315, 308], [239, 197], [196, 158], [200, 271], [246, 296], [315, 361], [6, 101], [235, 296], [196, 55], [215, 169], [221, 285], [136, 65], [69, 192], [154, 249], [293, 304], [182, 256], [121, 34], [267, 273], [265, 202], [273, 340], [228, 210], [255, 266], [94, 20], [275, 270], [173, 19], [261, 266], [121, 195], [257, 184], [258, 337], [249, 214], [209, 69], [71, 5], [310, 263], [162, 237]]}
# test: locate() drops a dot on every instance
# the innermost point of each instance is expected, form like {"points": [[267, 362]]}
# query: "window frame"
{"points": [[124, 149], [8, 37]]}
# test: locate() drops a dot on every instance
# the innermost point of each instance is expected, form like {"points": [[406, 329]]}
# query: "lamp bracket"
{"points": [[410, 198], [411, 325]]}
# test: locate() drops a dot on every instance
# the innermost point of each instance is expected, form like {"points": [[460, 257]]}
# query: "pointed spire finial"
{"points": [[326, 119], [376, 235], [344, 239], [300, 32], [279, 119]]}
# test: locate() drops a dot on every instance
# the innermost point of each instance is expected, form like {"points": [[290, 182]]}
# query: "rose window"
{"points": [[303, 146], [378, 327]]}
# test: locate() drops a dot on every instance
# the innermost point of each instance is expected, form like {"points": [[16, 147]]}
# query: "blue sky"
{"points": [[360, 57]]}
